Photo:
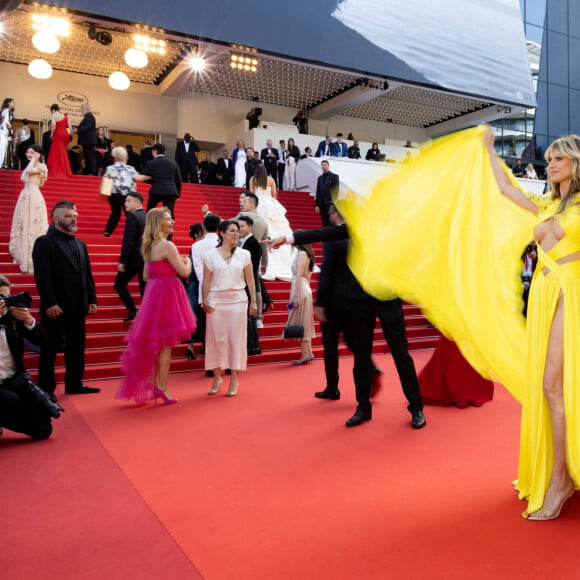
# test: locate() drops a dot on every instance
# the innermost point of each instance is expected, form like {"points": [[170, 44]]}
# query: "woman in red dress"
{"points": [[60, 130]]}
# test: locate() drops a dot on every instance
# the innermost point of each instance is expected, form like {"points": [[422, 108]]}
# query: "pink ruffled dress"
{"points": [[164, 319]]}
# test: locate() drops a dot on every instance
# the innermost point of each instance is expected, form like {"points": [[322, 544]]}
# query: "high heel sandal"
{"points": [[164, 395], [190, 354], [232, 392], [215, 389], [304, 360], [556, 513]]}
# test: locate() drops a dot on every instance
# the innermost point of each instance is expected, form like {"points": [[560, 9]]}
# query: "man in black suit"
{"points": [[251, 165], [24, 407], [132, 158], [166, 178], [87, 139], [225, 169], [62, 271], [249, 242], [270, 157], [326, 189], [131, 260], [186, 158], [208, 171], [146, 154], [364, 311]]}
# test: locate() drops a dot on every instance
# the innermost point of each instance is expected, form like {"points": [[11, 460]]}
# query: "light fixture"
{"points": [[136, 58], [245, 63], [40, 69], [196, 63], [148, 44], [45, 41], [119, 81], [58, 26]]}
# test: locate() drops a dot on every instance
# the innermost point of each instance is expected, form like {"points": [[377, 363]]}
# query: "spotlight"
{"points": [[245, 63], [40, 69], [103, 37], [46, 42], [119, 81], [92, 32], [136, 58], [254, 117], [197, 63]]}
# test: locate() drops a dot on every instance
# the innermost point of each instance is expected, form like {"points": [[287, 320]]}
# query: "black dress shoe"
{"points": [[52, 397], [326, 394], [418, 421], [131, 316], [359, 417], [209, 374], [82, 390], [190, 354]]}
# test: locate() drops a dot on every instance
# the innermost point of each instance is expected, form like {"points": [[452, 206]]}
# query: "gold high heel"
{"points": [[215, 389], [232, 392]]}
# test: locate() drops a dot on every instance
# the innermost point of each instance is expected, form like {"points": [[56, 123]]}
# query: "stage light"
{"points": [[40, 69], [119, 81], [103, 37], [136, 58], [46, 42], [44, 22], [243, 63], [197, 63], [148, 44]]}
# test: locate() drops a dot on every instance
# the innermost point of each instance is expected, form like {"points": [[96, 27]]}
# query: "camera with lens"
{"points": [[22, 300]]}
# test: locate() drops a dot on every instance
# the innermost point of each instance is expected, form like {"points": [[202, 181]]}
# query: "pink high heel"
{"points": [[164, 395]]}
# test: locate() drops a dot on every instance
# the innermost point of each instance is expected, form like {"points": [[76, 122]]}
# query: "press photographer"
{"points": [[24, 407]]}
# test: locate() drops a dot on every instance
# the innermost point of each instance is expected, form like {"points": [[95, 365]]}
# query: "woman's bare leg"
{"points": [[233, 388], [217, 381], [162, 368]]}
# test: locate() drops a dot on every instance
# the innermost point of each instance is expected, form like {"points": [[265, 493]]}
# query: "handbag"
{"points": [[293, 330], [106, 188]]}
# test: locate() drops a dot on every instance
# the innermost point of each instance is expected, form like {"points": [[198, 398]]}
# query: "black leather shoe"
{"points": [[418, 421], [131, 316], [359, 417], [209, 374], [82, 390], [332, 395], [52, 397]]}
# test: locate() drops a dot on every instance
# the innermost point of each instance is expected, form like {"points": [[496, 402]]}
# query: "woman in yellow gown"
{"points": [[462, 243]]}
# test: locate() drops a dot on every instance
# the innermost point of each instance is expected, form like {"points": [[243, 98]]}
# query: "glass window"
{"points": [[574, 18], [574, 69], [557, 53], [558, 111], [574, 112], [557, 15], [541, 121], [535, 34], [536, 12]]}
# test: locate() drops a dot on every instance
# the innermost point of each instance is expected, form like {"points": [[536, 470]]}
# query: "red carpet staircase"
{"points": [[106, 330]]}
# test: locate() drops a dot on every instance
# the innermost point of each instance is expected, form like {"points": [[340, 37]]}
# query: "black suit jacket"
{"points": [[16, 332], [87, 130], [132, 236], [250, 167], [62, 271], [335, 278], [182, 157], [166, 176], [271, 163], [326, 188], [253, 246], [146, 154], [225, 175]]}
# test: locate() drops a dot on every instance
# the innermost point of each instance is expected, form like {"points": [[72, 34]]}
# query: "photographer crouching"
{"points": [[24, 407]]}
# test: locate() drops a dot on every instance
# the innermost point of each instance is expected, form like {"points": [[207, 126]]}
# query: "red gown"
{"points": [[448, 379], [58, 161]]}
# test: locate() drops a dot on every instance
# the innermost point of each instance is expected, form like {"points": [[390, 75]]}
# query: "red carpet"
{"points": [[271, 484]]}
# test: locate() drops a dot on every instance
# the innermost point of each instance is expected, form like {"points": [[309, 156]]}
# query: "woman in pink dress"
{"points": [[60, 130], [227, 270], [164, 319]]}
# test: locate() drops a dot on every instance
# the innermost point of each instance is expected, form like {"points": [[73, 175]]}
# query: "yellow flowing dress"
{"points": [[439, 233]]}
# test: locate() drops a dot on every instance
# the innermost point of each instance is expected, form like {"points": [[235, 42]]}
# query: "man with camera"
{"points": [[24, 407]]}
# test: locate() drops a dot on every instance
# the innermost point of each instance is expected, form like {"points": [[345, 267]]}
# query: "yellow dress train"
{"points": [[439, 233]]}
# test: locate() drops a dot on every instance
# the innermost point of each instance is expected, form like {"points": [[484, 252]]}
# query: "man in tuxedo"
{"points": [[131, 261], [251, 165], [340, 148], [364, 311], [166, 179], [24, 408], [186, 158], [225, 169], [87, 139], [247, 241], [208, 171], [62, 271], [326, 188], [270, 157], [325, 148], [146, 154]]}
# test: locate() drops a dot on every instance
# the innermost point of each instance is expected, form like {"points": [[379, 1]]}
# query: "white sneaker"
{"points": [[259, 324]]}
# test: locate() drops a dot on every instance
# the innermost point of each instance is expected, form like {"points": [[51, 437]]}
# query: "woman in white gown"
{"points": [[239, 158], [280, 260], [30, 218]]}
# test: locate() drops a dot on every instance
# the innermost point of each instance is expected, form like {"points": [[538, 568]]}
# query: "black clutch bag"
{"points": [[294, 331]]}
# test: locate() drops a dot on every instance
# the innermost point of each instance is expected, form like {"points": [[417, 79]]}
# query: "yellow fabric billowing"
{"points": [[439, 233]]}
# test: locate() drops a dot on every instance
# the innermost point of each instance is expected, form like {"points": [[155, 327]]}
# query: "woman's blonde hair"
{"points": [[152, 232], [569, 147]]}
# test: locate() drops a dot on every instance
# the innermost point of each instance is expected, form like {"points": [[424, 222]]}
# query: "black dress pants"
{"points": [[72, 327], [390, 313], [188, 171], [117, 203], [122, 281], [20, 416], [89, 154], [337, 321]]}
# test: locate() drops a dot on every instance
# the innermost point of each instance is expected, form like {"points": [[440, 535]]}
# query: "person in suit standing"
{"points": [[340, 148], [250, 165], [269, 156], [282, 158], [131, 262], [166, 178], [62, 271], [225, 169], [326, 188], [87, 139], [186, 158], [146, 154], [325, 148], [248, 241], [364, 312]]}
